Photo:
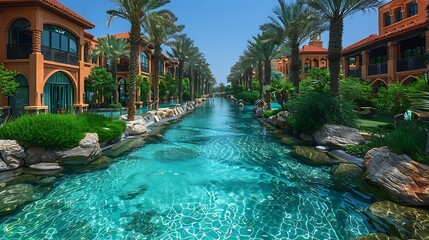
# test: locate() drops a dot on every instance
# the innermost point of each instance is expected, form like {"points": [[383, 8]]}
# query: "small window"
{"points": [[64, 43], [412, 9], [73, 46], [55, 40], [387, 19], [46, 39], [398, 14]]}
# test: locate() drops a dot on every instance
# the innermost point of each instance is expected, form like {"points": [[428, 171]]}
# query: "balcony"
{"points": [[21, 51], [377, 69], [123, 68], [357, 73], [56, 55], [411, 63]]}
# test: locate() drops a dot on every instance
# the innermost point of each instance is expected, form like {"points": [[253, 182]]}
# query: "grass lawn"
{"points": [[374, 121]]}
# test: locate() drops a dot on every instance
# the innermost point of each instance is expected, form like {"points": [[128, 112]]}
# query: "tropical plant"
{"points": [[293, 24], [112, 49], [8, 85], [392, 100], [101, 83], [167, 87], [420, 100], [181, 49], [356, 90], [316, 81], [334, 12], [135, 12], [282, 89], [159, 28]]}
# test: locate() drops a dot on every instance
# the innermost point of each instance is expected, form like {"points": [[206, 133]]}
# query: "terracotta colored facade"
{"points": [[47, 44], [312, 56], [397, 53]]}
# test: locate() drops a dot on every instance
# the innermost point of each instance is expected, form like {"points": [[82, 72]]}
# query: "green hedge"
{"points": [[54, 131], [248, 97]]}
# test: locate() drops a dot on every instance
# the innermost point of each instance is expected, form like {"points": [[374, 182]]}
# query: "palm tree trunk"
{"points": [[157, 57], [115, 92], [336, 28], [267, 81], [191, 83], [134, 55], [261, 80], [250, 80], [180, 85], [295, 66]]}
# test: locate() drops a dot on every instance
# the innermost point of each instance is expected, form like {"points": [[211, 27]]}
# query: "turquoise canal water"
{"points": [[217, 174]]}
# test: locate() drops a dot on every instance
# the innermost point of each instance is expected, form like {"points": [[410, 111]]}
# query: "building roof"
{"points": [[124, 35], [375, 37], [312, 49], [55, 4]]}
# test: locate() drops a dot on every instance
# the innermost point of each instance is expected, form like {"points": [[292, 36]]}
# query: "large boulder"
{"points": [[87, 151], [279, 120], [405, 180], [311, 156], [11, 155], [346, 175], [338, 136], [14, 196], [34, 155], [401, 221], [136, 127]]}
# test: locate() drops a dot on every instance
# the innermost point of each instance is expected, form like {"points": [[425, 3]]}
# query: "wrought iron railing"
{"points": [[411, 63], [377, 69], [56, 55], [19, 51]]}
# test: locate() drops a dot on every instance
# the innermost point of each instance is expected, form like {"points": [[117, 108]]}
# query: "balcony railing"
{"points": [[377, 69], [21, 51], [144, 67], [355, 73], [411, 63], [123, 68], [56, 55]]}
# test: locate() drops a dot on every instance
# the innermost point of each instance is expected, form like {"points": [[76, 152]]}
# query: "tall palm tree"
{"points": [[195, 59], [181, 49], [159, 28], [255, 51], [334, 12], [293, 24], [113, 49], [135, 12]]}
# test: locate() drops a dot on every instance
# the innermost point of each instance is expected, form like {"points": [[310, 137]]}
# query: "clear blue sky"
{"points": [[220, 28]]}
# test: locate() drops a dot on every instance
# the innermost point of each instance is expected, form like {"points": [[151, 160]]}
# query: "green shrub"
{"points": [[186, 96], [317, 81], [392, 100], [114, 105], [54, 131], [409, 138], [356, 90], [249, 97], [269, 113], [361, 150], [310, 111]]}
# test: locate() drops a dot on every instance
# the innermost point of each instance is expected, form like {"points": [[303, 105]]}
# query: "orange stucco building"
{"points": [[397, 53], [47, 44], [312, 56]]}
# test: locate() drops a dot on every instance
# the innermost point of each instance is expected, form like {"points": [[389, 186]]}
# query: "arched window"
{"points": [[59, 45], [412, 9], [20, 39], [398, 14], [387, 19], [144, 61]]}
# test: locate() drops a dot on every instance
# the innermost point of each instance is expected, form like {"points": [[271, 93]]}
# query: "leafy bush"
{"points": [[310, 111], [237, 89], [114, 105], [54, 131], [392, 100], [317, 81], [356, 90], [249, 97], [186, 96], [269, 113]]}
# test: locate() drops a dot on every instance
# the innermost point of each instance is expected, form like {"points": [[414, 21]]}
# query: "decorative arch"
{"points": [[60, 44], [377, 84], [122, 89], [20, 99], [69, 75], [20, 39], [58, 93], [409, 79]]}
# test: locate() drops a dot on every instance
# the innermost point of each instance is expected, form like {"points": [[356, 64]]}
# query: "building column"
{"points": [[36, 74], [365, 62], [345, 64], [392, 51]]}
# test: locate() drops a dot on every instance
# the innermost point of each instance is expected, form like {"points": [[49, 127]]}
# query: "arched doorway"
{"points": [[20, 39], [18, 101], [123, 91], [58, 93]]}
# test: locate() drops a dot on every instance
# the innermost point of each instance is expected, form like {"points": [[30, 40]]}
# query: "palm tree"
{"points": [[159, 28], [293, 24], [195, 59], [255, 51], [181, 50], [135, 12], [113, 49], [334, 12]]}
